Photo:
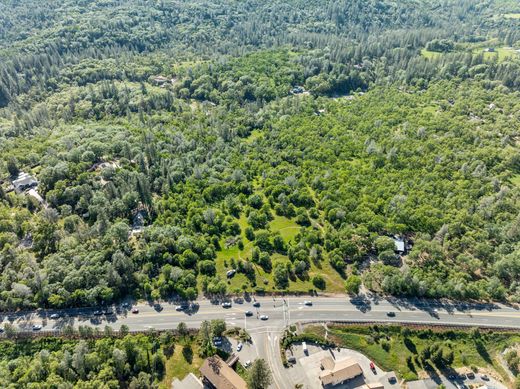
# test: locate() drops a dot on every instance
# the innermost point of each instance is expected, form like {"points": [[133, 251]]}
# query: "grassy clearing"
{"points": [[430, 54], [288, 230], [180, 364], [512, 16], [403, 350]]}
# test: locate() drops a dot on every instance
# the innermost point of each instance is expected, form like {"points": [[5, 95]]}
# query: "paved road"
{"points": [[281, 312], [323, 308]]}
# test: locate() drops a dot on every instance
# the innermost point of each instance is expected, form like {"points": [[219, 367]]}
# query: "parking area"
{"points": [[307, 369]]}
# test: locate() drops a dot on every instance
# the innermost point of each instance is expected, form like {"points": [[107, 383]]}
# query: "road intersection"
{"points": [[281, 312]]}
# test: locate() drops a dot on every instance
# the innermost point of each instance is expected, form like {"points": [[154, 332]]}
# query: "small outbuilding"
{"points": [[23, 182]]}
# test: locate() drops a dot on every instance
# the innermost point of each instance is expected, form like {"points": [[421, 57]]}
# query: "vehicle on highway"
{"points": [[37, 327], [390, 314], [239, 346], [249, 313], [135, 311], [256, 304], [264, 317], [98, 312], [247, 364], [226, 304], [54, 316], [308, 303]]}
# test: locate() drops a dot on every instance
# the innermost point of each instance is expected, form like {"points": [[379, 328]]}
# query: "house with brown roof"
{"points": [[218, 375], [337, 372]]}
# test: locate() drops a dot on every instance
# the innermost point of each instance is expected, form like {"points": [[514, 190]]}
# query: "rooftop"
{"points": [[335, 372], [220, 375]]}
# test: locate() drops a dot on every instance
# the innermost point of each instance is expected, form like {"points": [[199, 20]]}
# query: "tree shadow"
{"points": [[187, 353]]}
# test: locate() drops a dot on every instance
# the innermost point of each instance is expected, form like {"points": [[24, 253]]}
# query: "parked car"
{"points": [[37, 327], [135, 311], [264, 317], [390, 314], [247, 364], [98, 312], [484, 377], [226, 304], [230, 273], [109, 311], [125, 305], [158, 307], [249, 313], [307, 302], [54, 316], [471, 375], [392, 380], [373, 367], [256, 304], [239, 346], [217, 341], [179, 308], [291, 359]]}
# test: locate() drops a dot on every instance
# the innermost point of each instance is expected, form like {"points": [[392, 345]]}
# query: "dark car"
{"points": [[109, 311], [392, 380], [390, 314], [249, 313], [158, 307], [98, 312], [256, 304], [226, 305], [471, 375]]}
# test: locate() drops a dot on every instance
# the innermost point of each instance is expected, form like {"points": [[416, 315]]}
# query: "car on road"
{"points": [[249, 313], [37, 327], [247, 364], [98, 312], [308, 303], [390, 314], [135, 311], [239, 346], [256, 304], [264, 317], [226, 304], [54, 316], [179, 308]]}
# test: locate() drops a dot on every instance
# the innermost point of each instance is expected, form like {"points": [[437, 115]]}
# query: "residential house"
{"points": [[23, 182]]}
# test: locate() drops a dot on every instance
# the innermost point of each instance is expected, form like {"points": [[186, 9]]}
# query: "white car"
{"points": [[239, 346], [37, 327], [226, 305], [247, 364], [55, 316], [264, 317]]}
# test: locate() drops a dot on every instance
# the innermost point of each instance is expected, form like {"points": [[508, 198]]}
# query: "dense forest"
{"points": [[166, 143]]}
